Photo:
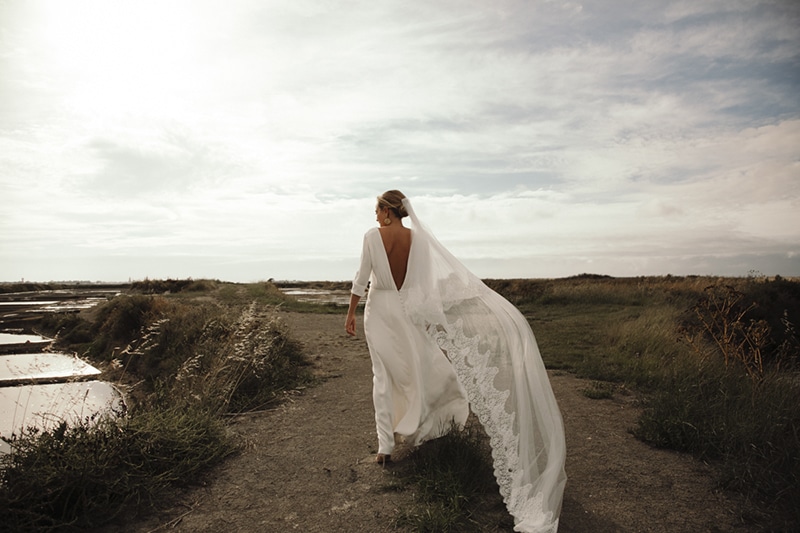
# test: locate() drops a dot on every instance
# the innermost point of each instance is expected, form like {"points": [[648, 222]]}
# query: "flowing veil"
{"points": [[493, 350]]}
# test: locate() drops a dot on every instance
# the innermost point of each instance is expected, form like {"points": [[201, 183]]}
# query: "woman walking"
{"points": [[441, 342]]}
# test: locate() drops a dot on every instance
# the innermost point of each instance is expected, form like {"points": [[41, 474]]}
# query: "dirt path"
{"points": [[307, 465]]}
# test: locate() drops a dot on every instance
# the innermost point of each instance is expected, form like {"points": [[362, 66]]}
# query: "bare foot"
{"points": [[383, 458]]}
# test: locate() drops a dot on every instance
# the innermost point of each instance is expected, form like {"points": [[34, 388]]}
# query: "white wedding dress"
{"points": [[415, 389], [445, 338]]}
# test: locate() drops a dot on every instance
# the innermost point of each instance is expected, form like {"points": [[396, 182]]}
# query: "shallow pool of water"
{"points": [[319, 296], [46, 406], [42, 367], [19, 338]]}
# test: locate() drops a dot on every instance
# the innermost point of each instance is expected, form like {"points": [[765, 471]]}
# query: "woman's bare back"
{"points": [[397, 243]]}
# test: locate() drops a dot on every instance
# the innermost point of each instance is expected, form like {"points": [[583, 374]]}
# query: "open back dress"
{"points": [[415, 389], [443, 343]]}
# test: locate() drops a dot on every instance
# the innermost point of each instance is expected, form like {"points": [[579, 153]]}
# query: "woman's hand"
{"points": [[350, 325], [350, 321]]}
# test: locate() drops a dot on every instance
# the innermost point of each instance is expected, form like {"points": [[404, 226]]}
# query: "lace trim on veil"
{"points": [[488, 404], [494, 353]]}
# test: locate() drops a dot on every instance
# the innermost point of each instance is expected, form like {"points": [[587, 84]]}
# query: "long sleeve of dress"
{"points": [[365, 269]]}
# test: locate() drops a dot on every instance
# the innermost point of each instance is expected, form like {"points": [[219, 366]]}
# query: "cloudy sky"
{"points": [[247, 139]]}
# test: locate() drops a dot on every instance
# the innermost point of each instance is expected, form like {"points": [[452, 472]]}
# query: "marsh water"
{"points": [[10, 339], [313, 295], [40, 388]]}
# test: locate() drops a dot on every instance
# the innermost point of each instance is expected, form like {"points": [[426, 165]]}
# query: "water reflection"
{"points": [[305, 294], [42, 390], [19, 338], [38, 367], [46, 406]]}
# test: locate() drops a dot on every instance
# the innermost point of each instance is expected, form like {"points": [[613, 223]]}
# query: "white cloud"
{"points": [[549, 136]]}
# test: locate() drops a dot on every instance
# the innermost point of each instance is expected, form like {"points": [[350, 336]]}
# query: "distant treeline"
{"points": [[31, 286], [322, 285]]}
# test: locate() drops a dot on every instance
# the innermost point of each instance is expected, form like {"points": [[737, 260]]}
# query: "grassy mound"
{"points": [[85, 475], [184, 363]]}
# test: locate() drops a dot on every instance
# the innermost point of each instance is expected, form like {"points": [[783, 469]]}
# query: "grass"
{"points": [[715, 362], [454, 485], [643, 334], [85, 475], [599, 390], [267, 293], [185, 359], [748, 428], [184, 345]]}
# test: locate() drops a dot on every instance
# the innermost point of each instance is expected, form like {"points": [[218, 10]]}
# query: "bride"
{"points": [[441, 342]]}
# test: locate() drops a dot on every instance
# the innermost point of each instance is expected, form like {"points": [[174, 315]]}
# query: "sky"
{"points": [[248, 139]]}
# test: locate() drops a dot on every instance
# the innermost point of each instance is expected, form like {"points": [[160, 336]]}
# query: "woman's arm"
{"points": [[350, 321], [359, 286]]}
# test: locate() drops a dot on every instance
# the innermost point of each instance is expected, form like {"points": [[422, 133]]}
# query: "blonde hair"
{"points": [[393, 200]]}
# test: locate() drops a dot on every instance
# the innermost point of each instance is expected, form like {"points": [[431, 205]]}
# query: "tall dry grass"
{"points": [[184, 362], [715, 361]]}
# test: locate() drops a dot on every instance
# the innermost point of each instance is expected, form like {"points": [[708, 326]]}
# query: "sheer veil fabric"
{"points": [[495, 356]]}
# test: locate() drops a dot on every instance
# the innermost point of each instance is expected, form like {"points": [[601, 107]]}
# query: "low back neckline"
{"points": [[397, 286]]}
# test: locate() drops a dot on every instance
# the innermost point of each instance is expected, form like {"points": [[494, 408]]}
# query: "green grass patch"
{"points": [[599, 390], [267, 293], [748, 428], [454, 484], [715, 362]]}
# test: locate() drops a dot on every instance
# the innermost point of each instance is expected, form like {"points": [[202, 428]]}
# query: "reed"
{"points": [[87, 474], [184, 363]]}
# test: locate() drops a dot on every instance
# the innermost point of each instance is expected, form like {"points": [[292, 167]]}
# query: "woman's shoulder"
{"points": [[371, 234]]}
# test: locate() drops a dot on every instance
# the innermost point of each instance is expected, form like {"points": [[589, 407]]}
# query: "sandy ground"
{"points": [[307, 465]]}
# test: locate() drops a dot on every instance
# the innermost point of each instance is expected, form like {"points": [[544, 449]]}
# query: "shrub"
{"points": [[121, 320], [85, 475], [731, 398], [68, 328], [247, 362], [189, 362], [721, 318], [455, 486], [715, 361], [161, 286]]}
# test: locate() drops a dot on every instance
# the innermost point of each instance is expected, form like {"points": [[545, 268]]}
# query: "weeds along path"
{"points": [[307, 465]]}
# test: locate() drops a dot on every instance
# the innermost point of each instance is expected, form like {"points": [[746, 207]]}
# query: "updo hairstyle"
{"points": [[393, 200]]}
